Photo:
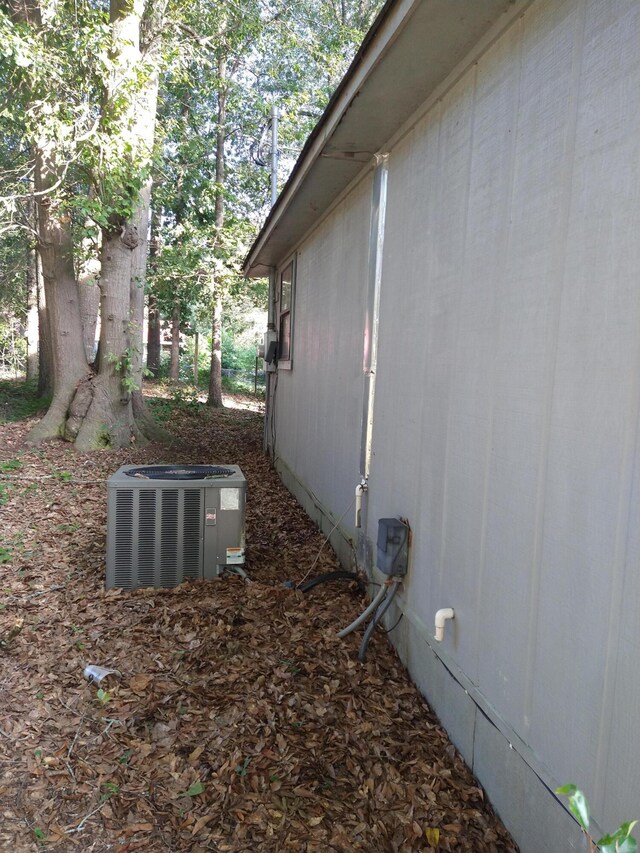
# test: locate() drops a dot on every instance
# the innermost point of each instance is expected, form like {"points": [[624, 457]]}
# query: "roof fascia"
{"points": [[382, 34]]}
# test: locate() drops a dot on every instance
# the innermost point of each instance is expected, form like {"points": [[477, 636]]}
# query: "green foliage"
{"points": [[235, 385], [123, 364], [248, 57], [235, 355], [621, 841], [19, 401], [241, 769], [126, 755], [193, 790], [103, 696]]}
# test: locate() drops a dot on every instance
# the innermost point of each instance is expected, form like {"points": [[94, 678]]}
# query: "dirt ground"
{"points": [[240, 722]]}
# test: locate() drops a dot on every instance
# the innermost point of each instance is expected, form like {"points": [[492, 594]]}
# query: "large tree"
{"points": [[81, 122], [88, 84], [104, 411]]}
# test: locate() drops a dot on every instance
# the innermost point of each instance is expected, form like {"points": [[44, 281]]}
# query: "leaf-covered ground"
{"points": [[240, 723]]}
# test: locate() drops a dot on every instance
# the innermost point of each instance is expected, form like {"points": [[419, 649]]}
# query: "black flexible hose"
{"points": [[385, 604], [328, 576]]}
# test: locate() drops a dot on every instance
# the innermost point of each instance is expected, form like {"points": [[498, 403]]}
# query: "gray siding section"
{"points": [[319, 402], [507, 405], [508, 384]]}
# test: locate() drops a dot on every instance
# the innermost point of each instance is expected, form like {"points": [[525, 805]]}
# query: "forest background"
{"points": [[134, 173]]}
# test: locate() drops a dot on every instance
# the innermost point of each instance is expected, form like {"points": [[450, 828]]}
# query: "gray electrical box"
{"points": [[169, 523], [393, 546]]}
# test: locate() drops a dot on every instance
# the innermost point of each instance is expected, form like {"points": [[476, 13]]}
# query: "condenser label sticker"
{"points": [[235, 556], [210, 516], [229, 498]]}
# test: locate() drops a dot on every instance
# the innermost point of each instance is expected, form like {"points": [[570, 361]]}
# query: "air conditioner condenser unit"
{"points": [[169, 523]]}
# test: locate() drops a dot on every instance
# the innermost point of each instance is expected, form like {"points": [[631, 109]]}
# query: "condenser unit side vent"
{"points": [[124, 537], [169, 538], [192, 526], [158, 537], [146, 537]]}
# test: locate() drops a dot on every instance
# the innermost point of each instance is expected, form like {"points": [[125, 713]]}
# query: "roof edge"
{"points": [[251, 269]]}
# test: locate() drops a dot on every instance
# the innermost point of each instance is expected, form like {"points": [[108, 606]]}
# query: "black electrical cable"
{"points": [[385, 604], [398, 621], [326, 577]]}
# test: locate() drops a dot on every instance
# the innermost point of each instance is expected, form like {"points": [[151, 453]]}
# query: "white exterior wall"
{"points": [[507, 405]]}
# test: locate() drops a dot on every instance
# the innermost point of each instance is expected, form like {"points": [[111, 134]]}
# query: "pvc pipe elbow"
{"points": [[361, 488], [441, 617]]}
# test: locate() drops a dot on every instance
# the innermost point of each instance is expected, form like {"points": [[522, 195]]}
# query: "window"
{"points": [[285, 312]]}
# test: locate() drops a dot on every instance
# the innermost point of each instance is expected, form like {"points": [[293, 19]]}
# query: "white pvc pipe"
{"points": [[441, 617], [365, 613], [361, 488]]}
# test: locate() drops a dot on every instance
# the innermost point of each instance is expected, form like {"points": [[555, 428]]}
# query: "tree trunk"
{"points": [[89, 295], [215, 377], [109, 411], [153, 338], [102, 414], [63, 364], [70, 365], [45, 349], [153, 332], [174, 366], [136, 306], [32, 314], [141, 413], [196, 356]]}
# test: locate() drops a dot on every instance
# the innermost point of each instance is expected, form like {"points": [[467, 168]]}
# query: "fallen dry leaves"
{"points": [[239, 723]]}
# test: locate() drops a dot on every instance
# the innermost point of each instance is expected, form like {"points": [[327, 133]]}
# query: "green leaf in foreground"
{"points": [[621, 840], [577, 804], [194, 790]]}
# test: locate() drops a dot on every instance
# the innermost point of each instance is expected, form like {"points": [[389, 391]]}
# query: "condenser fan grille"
{"points": [[177, 472]]}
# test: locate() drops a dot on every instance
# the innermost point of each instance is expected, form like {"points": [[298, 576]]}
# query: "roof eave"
{"points": [[395, 70]]}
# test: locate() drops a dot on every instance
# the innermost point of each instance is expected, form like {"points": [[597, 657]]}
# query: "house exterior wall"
{"points": [[507, 405], [318, 404]]}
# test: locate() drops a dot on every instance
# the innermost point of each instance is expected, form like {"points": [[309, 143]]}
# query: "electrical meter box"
{"points": [[269, 350], [393, 546]]}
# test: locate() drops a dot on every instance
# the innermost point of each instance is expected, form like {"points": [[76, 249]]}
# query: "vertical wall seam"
{"points": [[560, 263], [628, 467], [501, 287], [421, 493], [456, 336], [617, 596]]}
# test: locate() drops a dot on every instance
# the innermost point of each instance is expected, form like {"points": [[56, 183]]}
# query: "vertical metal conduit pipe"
{"points": [[372, 319]]}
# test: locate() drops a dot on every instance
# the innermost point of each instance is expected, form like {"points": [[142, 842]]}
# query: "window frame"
{"points": [[288, 313]]}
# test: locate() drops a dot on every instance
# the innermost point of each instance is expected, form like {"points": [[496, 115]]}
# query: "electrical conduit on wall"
{"points": [[371, 326]]}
